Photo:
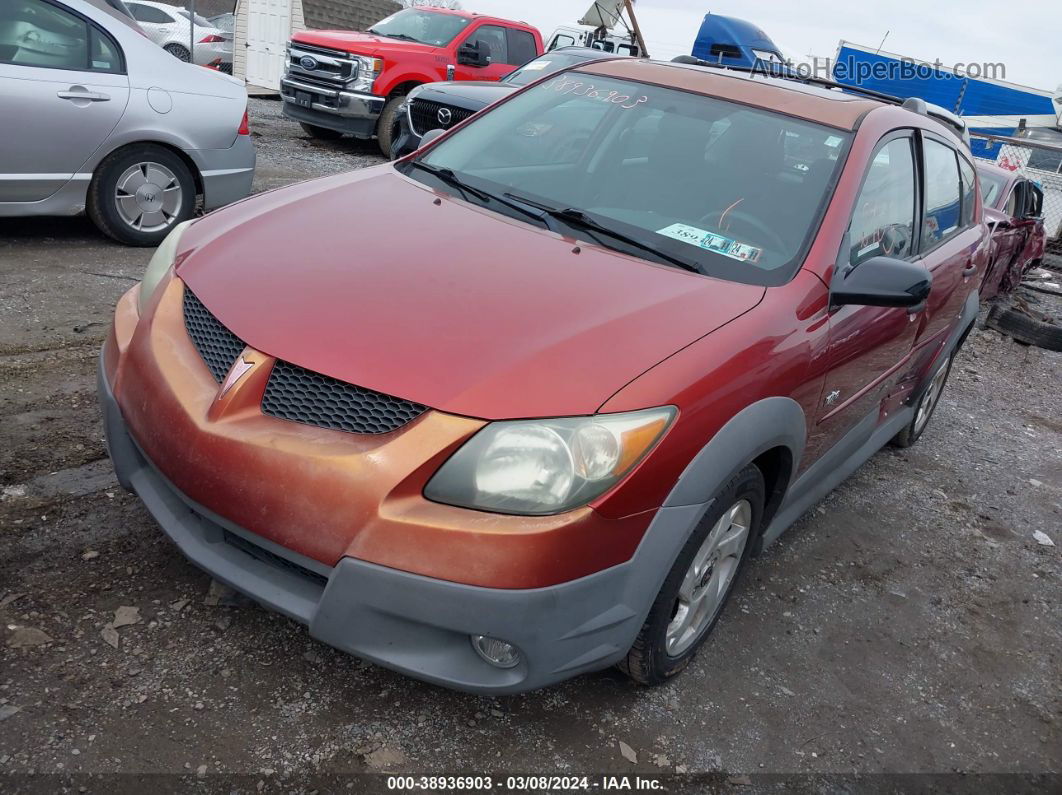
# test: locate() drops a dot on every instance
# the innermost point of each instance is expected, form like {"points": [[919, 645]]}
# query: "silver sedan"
{"points": [[99, 119]]}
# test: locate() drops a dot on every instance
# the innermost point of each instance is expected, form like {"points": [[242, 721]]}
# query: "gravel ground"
{"points": [[910, 623]]}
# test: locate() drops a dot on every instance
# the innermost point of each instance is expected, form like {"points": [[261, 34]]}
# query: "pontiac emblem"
{"points": [[239, 369], [444, 116], [832, 397]]}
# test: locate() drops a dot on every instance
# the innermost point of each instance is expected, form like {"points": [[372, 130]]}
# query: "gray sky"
{"points": [[1025, 35]]}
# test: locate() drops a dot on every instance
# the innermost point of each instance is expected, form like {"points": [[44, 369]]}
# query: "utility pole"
{"points": [[191, 31], [637, 30]]}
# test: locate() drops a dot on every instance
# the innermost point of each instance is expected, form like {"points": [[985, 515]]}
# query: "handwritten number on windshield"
{"points": [[577, 88]]}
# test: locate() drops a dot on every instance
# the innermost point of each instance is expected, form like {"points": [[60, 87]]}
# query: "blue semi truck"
{"points": [[986, 102]]}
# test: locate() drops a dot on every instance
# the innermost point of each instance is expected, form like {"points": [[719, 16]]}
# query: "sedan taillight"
{"points": [[211, 39], [245, 128]]}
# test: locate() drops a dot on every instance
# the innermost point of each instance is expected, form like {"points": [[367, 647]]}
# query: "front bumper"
{"points": [[405, 140], [343, 111], [416, 625]]}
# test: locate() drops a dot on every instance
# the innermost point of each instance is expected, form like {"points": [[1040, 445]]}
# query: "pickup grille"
{"points": [[424, 116], [333, 68]]}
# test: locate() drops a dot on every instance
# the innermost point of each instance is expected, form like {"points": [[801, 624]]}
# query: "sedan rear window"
{"points": [[734, 190]]}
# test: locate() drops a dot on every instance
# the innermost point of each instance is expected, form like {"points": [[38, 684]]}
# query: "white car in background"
{"points": [[168, 26]]}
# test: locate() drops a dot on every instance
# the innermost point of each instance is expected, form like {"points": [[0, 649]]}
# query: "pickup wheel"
{"points": [[699, 583], [139, 193], [320, 133], [924, 406], [386, 127]]}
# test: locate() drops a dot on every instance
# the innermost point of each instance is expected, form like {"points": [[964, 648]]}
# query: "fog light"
{"points": [[497, 652]]}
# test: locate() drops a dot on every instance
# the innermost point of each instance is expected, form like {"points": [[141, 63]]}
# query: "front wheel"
{"points": [[138, 194], [925, 406], [388, 124], [699, 583]]}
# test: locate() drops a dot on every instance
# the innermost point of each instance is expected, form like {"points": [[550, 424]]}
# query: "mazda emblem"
{"points": [[445, 116], [308, 63]]}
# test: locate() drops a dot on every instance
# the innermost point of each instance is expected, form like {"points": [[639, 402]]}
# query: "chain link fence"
{"points": [[1038, 162]]}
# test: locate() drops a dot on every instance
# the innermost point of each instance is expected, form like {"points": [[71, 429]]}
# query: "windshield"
{"points": [[991, 185], [736, 191], [427, 27], [542, 66]]}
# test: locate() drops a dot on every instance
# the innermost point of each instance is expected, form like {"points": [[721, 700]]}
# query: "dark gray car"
{"points": [[440, 106]]}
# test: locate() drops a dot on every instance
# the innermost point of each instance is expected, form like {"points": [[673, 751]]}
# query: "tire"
{"points": [[386, 126], [178, 52], [925, 405], [321, 133], [665, 645], [164, 194], [1026, 329]]}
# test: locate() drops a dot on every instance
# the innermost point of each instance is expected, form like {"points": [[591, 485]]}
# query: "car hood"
{"points": [[380, 281], [471, 94], [360, 43]]}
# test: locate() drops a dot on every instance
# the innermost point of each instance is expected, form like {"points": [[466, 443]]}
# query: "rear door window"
{"points": [[35, 33], [884, 218], [943, 194]]}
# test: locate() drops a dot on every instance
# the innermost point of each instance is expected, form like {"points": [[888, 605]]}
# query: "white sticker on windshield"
{"points": [[833, 141], [712, 242], [536, 66]]}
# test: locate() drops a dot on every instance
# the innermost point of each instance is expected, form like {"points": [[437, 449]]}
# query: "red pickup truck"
{"points": [[343, 82]]}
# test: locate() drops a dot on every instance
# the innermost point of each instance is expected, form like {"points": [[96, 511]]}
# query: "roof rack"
{"points": [[771, 69]]}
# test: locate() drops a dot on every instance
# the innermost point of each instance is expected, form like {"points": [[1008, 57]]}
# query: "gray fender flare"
{"points": [[768, 423], [772, 422]]}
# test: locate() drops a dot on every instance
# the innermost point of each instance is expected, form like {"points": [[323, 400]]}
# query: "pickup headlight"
{"points": [[537, 467], [368, 70], [160, 262]]}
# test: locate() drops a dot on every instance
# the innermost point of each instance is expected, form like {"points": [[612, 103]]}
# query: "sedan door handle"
{"points": [[88, 96]]}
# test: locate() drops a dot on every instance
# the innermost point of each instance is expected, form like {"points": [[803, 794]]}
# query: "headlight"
{"points": [[160, 262], [534, 467], [368, 70]]}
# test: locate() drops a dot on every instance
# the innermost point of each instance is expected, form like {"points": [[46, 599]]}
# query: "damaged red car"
{"points": [[523, 404], [1014, 212]]}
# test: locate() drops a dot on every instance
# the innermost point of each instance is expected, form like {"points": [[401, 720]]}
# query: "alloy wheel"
{"points": [[931, 396], [709, 577]]}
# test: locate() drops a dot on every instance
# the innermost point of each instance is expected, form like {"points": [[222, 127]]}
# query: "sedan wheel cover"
{"points": [[708, 579], [148, 197]]}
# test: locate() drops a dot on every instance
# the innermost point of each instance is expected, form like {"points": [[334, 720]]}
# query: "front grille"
{"points": [[333, 67], [300, 395], [424, 116], [218, 346], [264, 555]]}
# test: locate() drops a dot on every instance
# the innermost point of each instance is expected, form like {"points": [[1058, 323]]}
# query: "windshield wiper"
{"points": [[403, 36], [450, 178], [578, 218]]}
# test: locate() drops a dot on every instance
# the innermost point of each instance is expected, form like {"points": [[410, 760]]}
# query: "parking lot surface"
{"points": [[912, 622]]}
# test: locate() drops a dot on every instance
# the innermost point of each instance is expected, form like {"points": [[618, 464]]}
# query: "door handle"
{"points": [[88, 96]]}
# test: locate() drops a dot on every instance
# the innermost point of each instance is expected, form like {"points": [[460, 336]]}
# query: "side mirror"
{"points": [[473, 54], [881, 281], [430, 136]]}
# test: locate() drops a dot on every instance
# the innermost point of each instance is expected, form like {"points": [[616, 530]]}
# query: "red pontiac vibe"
{"points": [[607, 340]]}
